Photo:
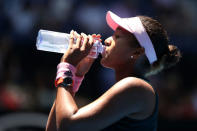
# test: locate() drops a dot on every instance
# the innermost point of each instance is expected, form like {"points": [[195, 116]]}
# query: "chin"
{"points": [[102, 61], [106, 63]]}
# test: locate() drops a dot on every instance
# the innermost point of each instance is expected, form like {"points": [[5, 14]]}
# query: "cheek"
{"points": [[113, 55], [107, 58], [111, 59], [105, 61]]}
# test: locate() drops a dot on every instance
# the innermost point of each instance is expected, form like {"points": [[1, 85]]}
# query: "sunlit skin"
{"points": [[119, 49], [129, 96]]}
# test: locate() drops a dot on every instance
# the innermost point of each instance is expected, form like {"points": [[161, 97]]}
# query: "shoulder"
{"points": [[138, 92], [135, 84]]}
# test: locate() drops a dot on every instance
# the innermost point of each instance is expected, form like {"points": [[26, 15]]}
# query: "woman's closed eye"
{"points": [[115, 36]]}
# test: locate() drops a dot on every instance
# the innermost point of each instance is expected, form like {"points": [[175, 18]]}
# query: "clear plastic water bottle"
{"points": [[58, 42]]}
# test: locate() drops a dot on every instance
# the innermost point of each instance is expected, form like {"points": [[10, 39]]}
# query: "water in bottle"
{"points": [[58, 42]]}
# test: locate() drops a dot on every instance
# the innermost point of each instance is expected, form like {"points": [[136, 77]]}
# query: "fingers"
{"points": [[91, 40], [93, 35], [78, 42], [76, 34], [71, 41], [75, 39], [97, 37], [85, 41]]}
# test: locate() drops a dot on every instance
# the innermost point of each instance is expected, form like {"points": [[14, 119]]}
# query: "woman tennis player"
{"points": [[138, 48]]}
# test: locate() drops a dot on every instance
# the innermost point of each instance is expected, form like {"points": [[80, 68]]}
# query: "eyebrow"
{"points": [[119, 28], [122, 30]]}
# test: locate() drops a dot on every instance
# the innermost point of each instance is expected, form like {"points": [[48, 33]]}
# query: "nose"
{"points": [[108, 41]]}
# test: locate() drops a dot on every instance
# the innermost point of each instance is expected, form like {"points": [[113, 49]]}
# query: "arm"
{"points": [[129, 96], [51, 122], [82, 68]]}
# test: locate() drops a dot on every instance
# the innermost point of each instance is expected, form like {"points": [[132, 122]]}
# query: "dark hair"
{"points": [[167, 54]]}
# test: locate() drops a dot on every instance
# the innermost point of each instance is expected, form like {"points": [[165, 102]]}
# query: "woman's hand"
{"points": [[79, 50], [85, 64]]}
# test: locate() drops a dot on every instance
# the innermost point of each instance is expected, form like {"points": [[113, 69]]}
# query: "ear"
{"points": [[139, 51]]}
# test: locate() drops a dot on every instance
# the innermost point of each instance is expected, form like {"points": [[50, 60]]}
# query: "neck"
{"points": [[127, 70]]}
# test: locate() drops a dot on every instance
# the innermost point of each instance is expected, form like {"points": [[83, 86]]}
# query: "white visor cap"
{"points": [[135, 26]]}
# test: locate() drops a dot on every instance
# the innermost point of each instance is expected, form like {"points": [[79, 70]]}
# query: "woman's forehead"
{"points": [[122, 30]]}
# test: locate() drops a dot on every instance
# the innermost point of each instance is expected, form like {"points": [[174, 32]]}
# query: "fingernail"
{"points": [[71, 33], [75, 33]]}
